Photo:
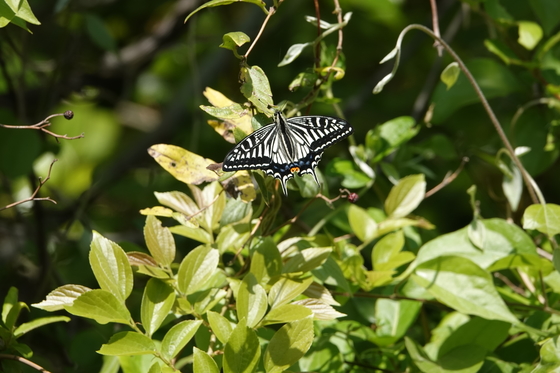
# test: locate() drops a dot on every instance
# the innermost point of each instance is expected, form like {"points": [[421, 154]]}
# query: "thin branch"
{"points": [[511, 285], [271, 11], [24, 361], [32, 197], [435, 26], [318, 45], [447, 179], [42, 125]]}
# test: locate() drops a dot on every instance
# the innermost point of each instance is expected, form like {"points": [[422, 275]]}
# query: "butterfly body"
{"points": [[287, 146]]}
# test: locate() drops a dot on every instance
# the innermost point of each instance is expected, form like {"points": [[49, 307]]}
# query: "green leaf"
{"points": [[464, 286], [196, 268], [548, 12], [544, 218], [362, 224], [331, 273], [213, 3], [10, 303], [501, 240], [99, 33], [251, 301], [321, 310], [286, 313], [256, 88], [288, 345], [530, 33], [305, 79], [220, 326], [146, 265], [160, 241], [393, 318], [293, 52], [157, 301], [266, 261], [466, 360], [405, 196], [17, 12], [494, 79], [177, 337], [387, 137], [100, 305], [61, 296], [286, 289], [232, 237], [36, 323], [450, 74], [232, 40], [307, 260], [242, 350], [208, 298], [197, 234], [128, 343], [550, 357], [203, 363], [110, 266]]}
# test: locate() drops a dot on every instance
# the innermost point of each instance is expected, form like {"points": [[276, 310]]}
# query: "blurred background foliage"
{"points": [[133, 74]]}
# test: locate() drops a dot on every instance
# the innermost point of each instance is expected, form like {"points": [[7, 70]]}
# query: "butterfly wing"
{"points": [[308, 136]]}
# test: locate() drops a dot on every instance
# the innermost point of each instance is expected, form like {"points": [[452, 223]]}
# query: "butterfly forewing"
{"points": [[287, 146]]}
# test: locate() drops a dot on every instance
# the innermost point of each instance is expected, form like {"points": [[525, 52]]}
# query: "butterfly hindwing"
{"points": [[287, 146]]}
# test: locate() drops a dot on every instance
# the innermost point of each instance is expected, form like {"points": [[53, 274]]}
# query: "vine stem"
{"points": [[24, 361], [271, 11], [536, 196]]}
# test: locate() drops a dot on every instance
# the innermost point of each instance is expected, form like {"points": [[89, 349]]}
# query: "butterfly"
{"points": [[287, 146]]}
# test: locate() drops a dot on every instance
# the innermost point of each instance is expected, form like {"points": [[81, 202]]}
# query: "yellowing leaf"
{"points": [[530, 33], [450, 74], [241, 185], [185, 166], [233, 115]]}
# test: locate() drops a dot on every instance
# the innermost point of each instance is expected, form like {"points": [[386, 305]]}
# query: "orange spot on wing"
{"points": [[294, 170]]}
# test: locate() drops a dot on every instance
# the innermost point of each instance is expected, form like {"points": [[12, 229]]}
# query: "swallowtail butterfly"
{"points": [[287, 146]]}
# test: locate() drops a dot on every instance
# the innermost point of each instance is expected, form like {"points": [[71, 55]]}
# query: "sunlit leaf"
{"points": [[110, 266], [242, 350], [185, 166], [293, 52], [128, 343], [157, 301], [544, 218], [256, 88], [530, 33], [203, 363], [61, 296], [405, 196], [178, 336], [160, 241], [450, 74], [100, 305]]}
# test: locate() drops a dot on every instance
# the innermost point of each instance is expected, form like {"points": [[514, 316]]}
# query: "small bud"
{"points": [[353, 197], [69, 114]]}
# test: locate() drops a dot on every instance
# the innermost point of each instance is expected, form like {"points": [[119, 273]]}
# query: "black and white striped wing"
{"points": [[286, 147], [253, 152]]}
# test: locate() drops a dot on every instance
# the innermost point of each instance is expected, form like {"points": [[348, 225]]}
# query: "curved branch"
{"points": [[42, 125], [395, 53], [32, 197]]}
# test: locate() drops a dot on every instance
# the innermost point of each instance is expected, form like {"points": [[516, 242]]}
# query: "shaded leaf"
{"points": [[157, 301], [196, 268], [242, 350], [213, 3], [288, 345]]}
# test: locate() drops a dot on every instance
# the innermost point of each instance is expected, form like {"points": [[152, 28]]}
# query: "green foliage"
{"points": [[234, 277]]}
